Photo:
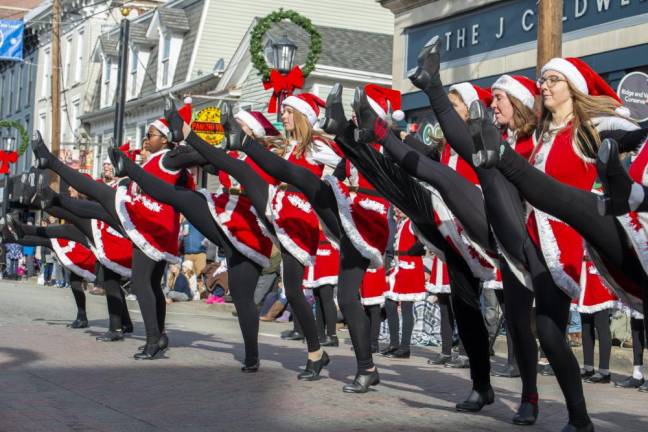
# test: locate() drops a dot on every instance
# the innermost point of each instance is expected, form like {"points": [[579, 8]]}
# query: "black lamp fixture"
{"points": [[283, 53]]}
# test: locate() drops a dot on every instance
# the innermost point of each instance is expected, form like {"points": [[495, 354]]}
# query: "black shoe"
{"points": [[362, 382], [439, 360], [486, 136], [176, 123], [459, 362], [400, 353], [111, 336], [149, 352], [644, 387], [426, 74], [45, 198], [164, 343], [252, 368], [390, 349], [476, 401], [15, 226], [571, 428], [78, 324], [617, 184], [334, 121], [292, 335], [117, 157], [526, 415], [128, 328], [599, 378], [41, 152], [508, 371], [313, 368], [371, 127], [375, 349], [585, 374], [546, 370], [630, 382], [330, 341]]}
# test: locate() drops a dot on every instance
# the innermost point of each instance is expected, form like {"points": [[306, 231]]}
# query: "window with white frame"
{"points": [[105, 91], [132, 72], [21, 85], [165, 54], [78, 69], [30, 83], [67, 66], [45, 84], [75, 115], [12, 85], [42, 123]]}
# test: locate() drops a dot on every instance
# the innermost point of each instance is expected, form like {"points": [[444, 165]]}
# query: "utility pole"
{"points": [[120, 97], [550, 13], [56, 85]]}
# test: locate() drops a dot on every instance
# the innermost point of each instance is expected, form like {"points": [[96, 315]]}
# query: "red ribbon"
{"points": [[5, 159], [282, 83]]}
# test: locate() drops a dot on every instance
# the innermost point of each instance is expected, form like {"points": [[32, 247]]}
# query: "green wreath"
{"points": [[264, 24], [24, 136]]}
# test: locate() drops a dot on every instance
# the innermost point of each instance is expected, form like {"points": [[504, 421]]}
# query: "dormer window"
{"points": [[132, 73], [105, 76], [165, 51], [168, 27]]}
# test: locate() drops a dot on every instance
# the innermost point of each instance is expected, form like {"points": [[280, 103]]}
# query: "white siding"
{"points": [[220, 37]]}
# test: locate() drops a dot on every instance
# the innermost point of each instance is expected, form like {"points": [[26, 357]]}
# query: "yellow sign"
{"points": [[207, 125]]}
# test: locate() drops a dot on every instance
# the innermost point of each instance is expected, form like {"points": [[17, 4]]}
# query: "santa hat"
{"points": [[307, 104], [379, 97], [132, 154], [471, 93], [257, 122], [162, 124], [518, 86], [581, 76]]}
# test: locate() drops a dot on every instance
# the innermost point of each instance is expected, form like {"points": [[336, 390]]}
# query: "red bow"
{"points": [[5, 159], [282, 83]]}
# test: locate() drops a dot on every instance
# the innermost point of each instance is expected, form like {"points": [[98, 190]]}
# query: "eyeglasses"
{"points": [[149, 135], [551, 81]]}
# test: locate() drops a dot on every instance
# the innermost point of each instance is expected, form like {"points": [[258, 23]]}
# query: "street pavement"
{"points": [[53, 378]]}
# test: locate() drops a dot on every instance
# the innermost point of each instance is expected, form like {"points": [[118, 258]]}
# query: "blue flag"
{"points": [[11, 39]]}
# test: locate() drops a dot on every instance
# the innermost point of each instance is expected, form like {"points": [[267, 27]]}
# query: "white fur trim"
{"points": [[302, 106], [346, 218], [406, 297], [257, 129], [100, 253], [286, 241], [466, 91], [437, 289], [157, 124], [551, 253], [569, 70], [610, 304], [61, 254], [327, 280], [638, 237], [377, 108], [514, 88], [610, 123], [370, 301], [493, 284], [160, 164], [221, 221], [121, 198]]}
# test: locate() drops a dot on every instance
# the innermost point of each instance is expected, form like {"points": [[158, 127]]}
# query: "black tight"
{"points": [[599, 321], [638, 341], [325, 313], [76, 284], [87, 210], [243, 273], [373, 314], [407, 313], [147, 283], [66, 231], [447, 323], [118, 316]]}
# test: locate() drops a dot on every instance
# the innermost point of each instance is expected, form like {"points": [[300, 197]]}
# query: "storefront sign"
{"points": [[11, 39], [207, 125], [633, 91], [508, 24]]}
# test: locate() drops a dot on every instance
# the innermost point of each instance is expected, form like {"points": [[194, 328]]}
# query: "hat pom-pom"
{"points": [[188, 100], [398, 115]]}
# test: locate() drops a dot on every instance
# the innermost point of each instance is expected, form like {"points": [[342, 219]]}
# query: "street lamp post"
{"points": [[8, 143], [283, 55]]}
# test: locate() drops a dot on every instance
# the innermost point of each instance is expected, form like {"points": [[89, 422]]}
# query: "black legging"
{"points": [[325, 313], [638, 341], [447, 323], [373, 313], [66, 231], [416, 202], [407, 313], [599, 321], [243, 272]]}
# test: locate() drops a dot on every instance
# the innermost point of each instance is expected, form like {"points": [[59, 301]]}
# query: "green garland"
{"points": [[264, 24], [24, 137]]}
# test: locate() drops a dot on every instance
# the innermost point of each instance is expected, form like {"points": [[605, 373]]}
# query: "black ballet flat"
{"points": [[313, 368], [117, 160], [362, 382], [426, 73], [571, 428], [476, 401], [111, 336], [163, 343], [78, 324], [526, 415], [252, 368], [149, 352], [41, 152]]}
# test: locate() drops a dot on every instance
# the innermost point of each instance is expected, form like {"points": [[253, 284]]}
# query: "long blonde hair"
{"points": [[586, 107], [303, 133], [524, 118]]}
